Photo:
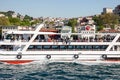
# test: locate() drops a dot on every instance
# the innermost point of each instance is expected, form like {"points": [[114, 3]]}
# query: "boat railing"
{"points": [[60, 40]]}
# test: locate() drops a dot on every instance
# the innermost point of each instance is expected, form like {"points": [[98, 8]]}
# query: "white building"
{"points": [[86, 31], [2, 15], [107, 10], [67, 30], [14, 15]]}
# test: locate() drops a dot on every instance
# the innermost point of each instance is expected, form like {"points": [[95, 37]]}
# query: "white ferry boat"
{"points": [[20, 47]]}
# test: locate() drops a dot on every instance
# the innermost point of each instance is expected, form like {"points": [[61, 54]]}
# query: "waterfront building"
{"points": [[87, 31], [66, 29]]}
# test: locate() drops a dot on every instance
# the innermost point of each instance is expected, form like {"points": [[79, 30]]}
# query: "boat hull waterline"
{"points": [[92, 57]]}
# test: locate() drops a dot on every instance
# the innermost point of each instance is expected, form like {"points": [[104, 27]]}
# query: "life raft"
{"points": [[19, 56], [48, 56], [76, 56], [104, 56]]}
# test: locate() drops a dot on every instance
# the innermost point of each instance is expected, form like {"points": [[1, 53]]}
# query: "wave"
{"points": [[59, 71]]}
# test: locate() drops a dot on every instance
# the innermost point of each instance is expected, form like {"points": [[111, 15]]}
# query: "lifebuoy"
{"points": [[48, 56], [104, 56], [19, 56], [76, 56]]}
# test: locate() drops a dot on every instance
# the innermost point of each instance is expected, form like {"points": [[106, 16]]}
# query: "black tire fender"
{"points": [[48, 56], [19, 56], [104, 56], [76, 56]]}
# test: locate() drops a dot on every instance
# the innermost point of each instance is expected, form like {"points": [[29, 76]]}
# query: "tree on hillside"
{"points": [[25, 22], [35, 22], [4, 21], [98, 20], [28, 18], [15, 21], [72, 23], [108, 20], [9, 13]]}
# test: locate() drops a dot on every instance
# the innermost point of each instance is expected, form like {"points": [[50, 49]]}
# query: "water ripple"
{"points": [[59, 71]]}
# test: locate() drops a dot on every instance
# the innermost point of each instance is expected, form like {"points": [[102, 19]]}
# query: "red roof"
{"points": [[109, 31], [48, 30]]}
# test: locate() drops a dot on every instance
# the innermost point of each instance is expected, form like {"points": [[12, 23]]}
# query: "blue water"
{"points": [[59, 71]]}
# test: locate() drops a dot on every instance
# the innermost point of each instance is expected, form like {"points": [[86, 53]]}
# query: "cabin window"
{"points": [[42, 37], [104, 47], [46, 47], [89, 47], [71, 47], [31, 47], [39, 47], [80, 47], [62, 47], [96, 47], [77, 47], [55, 47]]}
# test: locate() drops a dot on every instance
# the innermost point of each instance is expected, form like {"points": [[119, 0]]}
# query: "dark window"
{"points": [[77, 47], [39, 47], [85, 46], [80, 47], [42, 37], [31, 47], [55, 47], [71, 47], [96, 47], [62, 47], [46, 47], [104, 47], [89, 47]]}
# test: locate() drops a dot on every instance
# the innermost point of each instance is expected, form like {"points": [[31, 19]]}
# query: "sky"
{"points": [[57, 8]]}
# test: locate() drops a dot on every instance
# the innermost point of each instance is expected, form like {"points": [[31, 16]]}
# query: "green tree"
{"points": [[51, 24], [99, 28], [98, 20], [110, 19], [28, 18], [4, 21], [35, 22], [72, 23], [15, 21], [9, 13], [25, 22]]}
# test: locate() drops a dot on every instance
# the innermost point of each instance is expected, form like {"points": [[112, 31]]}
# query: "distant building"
{"points": [[67, 30], [87, 31], [107, 10], [117, 10], [2, 15], [14, 15]]}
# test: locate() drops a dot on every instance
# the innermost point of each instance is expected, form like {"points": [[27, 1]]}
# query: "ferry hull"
{"points": [[60, 56]]}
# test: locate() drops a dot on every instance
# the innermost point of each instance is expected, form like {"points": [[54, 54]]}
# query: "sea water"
{"points": [[59, 71]]}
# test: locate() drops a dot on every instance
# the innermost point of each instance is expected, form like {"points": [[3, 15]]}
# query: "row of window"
{"points": [[9, 27], [72, 47]]}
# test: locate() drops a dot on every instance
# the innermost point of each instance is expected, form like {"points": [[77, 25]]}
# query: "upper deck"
{"points": [[26, 38]]}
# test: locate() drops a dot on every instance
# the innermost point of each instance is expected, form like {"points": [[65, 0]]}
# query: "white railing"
{"points": [[33, 37], [113, 42]]}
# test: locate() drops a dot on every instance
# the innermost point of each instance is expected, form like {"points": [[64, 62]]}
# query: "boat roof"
{"points": [[28, 32]]}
